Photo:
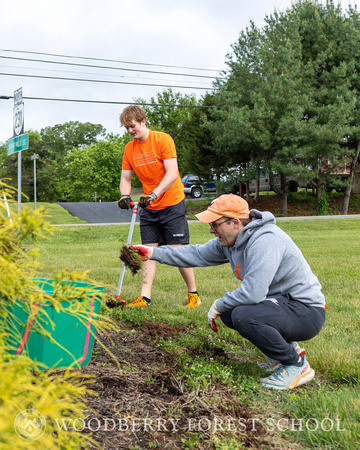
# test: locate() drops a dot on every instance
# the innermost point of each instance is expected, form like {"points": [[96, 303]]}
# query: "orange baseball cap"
{"points": [[228, 205]]}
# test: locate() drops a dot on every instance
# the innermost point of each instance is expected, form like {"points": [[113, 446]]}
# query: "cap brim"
{"points": [[208, 216]]}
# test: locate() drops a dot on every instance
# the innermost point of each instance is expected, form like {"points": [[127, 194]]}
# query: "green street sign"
{"points": [[18, 143]]}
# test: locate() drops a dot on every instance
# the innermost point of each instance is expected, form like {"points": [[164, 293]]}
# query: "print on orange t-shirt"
{"points": [[146, 160]]}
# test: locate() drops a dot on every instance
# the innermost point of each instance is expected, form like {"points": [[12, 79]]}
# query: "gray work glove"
{"points": [[145, 201]]}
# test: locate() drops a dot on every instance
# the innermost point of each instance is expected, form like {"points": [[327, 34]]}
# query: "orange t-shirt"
{"points": [[146, 160]]}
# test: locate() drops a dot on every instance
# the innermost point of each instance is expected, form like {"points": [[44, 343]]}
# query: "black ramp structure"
{"points": [[98, 212]]}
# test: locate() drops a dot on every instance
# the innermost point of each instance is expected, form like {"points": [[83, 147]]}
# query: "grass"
{"points": [[56, 214], [332, 248]]}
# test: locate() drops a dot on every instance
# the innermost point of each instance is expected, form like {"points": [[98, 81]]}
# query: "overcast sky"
{"points": [[183, 34]]}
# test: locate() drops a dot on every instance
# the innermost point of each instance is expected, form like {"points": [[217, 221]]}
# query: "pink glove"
{"points": [[144, 252], [213, 314]]}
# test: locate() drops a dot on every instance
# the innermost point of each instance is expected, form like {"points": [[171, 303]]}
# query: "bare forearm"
{"points": [[125, 184], [165, 183], [172, 172]]}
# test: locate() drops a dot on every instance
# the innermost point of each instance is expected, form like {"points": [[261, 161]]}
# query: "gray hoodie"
{"points": [[264, 258]]}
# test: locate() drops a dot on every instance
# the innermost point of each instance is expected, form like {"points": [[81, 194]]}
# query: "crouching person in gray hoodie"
{"points": [[279, 300]]}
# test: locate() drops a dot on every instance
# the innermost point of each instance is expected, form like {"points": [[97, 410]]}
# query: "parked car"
{"points": [[265, 182], [293, 183], [195, 186]]}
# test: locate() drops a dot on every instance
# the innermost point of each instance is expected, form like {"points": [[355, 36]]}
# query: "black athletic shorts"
{"points": [[164, 226]]}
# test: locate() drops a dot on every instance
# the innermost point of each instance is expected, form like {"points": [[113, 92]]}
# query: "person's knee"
{"points": [[226, 319], [242, 321]]}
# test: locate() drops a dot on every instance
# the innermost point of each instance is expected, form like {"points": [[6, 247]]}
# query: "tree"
{"points": [[288, 101], [328, 40], [201, 156], [9, 165], [174, 120], [261, 93], [233, 130], [53, 145], [353, 140], [60, 139], [95, 169], [57, 143]]}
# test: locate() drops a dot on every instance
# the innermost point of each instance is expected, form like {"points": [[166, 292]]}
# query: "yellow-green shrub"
{"points": [[23, 386], [54, 395]]}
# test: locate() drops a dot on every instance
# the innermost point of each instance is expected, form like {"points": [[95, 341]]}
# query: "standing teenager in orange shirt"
{"points": [[152, 156]]}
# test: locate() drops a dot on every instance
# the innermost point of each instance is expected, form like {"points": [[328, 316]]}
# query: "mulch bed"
{"points": [[144, 399], [147, 392]]}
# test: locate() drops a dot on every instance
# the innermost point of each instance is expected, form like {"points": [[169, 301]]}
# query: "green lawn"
{"points": [[331, 246], [55, 213]]}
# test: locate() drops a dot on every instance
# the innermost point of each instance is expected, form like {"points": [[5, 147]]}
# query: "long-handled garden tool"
{"points": [[117, 297], [6, 204]]}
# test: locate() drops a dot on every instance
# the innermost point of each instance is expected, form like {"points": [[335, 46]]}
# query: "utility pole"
{"points": [[34, 157]]}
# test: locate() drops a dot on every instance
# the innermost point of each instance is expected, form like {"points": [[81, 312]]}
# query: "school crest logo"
{"points": [[30, 424]]}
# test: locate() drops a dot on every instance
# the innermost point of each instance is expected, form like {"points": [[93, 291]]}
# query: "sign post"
{"points": [[19, 182], [19, 141]]}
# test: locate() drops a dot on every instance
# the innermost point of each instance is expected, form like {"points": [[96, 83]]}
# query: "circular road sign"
{"points": [[19, 119]]}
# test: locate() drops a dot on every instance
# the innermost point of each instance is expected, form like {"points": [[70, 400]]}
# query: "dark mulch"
{"points": [[141, 390]]}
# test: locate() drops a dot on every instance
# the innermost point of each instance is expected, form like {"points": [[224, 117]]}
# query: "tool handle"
{"points": [[132, 204], [132, 223]]}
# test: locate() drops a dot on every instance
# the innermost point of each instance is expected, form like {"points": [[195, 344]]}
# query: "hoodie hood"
{"points": [[258, 220]]}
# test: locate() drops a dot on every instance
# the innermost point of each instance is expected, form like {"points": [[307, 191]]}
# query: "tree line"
{"points": [[75, 161], [288, 103]]}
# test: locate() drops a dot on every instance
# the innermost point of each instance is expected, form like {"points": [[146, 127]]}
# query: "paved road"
{"points": [[350, 216], [95, 212]]}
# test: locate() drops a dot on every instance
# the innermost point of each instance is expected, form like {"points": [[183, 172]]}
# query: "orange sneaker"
{"points": [[139, 301], [193, 300]]}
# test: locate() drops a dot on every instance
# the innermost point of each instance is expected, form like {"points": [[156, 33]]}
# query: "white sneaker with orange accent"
{"points": [[289, 377], [271, 364]]}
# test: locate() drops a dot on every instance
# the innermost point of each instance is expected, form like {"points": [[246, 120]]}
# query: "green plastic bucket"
{"points": [[75, 338]]}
